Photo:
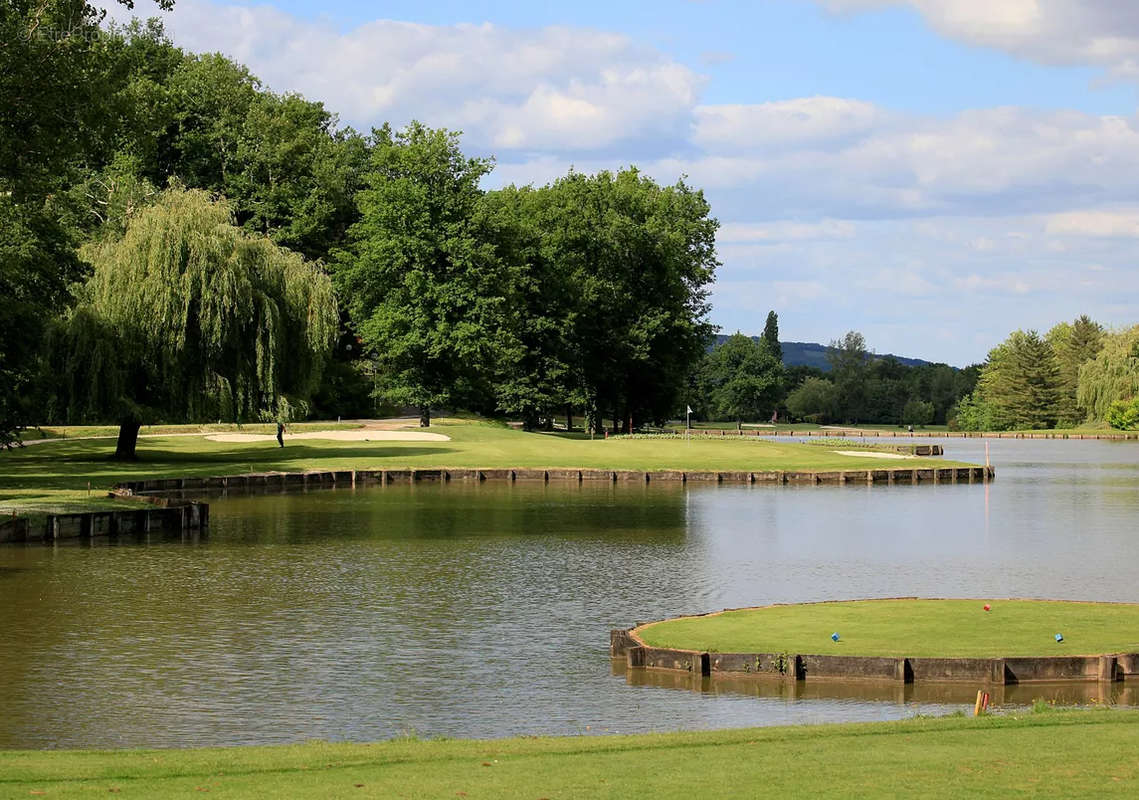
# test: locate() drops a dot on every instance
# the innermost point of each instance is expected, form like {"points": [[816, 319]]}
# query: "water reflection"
{"points": [[484, 610]]}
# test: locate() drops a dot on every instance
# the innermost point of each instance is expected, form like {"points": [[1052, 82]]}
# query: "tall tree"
{"points": [[1113, 375], [53, 116], [608, 294], [643, 256], [422, 286], [186, 317], [741, 379], [533, 375], [771, 336], [1020, 382], [1073, 344], [850, 362]]}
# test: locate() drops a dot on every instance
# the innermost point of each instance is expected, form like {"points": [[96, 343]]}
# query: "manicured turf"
{"points": [[110, 431], [1072, 754], [55, 474], [913, 628]]}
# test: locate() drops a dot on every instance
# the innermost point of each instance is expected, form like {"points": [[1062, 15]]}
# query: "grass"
{"points": [[1069, 754], [54, 475], [112, 431], [913, 628]]}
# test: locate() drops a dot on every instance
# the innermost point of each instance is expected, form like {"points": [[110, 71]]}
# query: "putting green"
{"points": [[909, 627]]}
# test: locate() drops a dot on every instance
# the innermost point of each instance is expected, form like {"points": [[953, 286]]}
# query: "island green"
{"points": [[913, 628]]}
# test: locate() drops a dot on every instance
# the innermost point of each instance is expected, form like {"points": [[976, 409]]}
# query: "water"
{"points": [[484, 610]]}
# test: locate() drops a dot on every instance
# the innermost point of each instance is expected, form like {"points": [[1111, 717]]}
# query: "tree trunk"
{"points": [[128, 440], [630, 431], [425, 416], [569, 418]]}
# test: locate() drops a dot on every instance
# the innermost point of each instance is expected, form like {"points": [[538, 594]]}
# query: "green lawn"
{"points": [[111, 431], [913, 628], [54, 475], [1062, 754]]}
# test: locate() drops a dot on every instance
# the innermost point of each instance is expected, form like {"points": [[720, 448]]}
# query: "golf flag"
{"points": [[689, 411]]}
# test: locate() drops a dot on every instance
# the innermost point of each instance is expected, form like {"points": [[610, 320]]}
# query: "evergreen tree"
{"points": [[1073, 344], [771, 336], [1020, 382]]}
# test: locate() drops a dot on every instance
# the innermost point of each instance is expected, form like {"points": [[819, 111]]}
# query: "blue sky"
{"points": [[933, 173]]}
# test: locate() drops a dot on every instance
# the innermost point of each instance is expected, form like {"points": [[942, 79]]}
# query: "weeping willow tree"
{"points": [[1112, 376], [188, 318]]}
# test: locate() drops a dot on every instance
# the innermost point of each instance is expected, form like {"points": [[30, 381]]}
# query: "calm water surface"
{"points": [[484, 610]]}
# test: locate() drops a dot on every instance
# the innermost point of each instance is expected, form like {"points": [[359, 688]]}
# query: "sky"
{"points": [[931, 173]]}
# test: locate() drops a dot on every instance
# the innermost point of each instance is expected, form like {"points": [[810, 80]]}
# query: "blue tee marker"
{"points": [[834, 637], [1059, 637]]}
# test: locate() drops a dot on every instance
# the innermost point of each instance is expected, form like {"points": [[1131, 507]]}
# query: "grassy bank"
{"points": [[1064, 754], [914, 628], [55, 475]]}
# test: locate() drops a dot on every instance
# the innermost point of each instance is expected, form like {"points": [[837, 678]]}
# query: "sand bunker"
{"points": [[870, 454], [340, 436]]}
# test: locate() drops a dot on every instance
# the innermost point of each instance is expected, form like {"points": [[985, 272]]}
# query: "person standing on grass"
{"points": [[281, 434]]}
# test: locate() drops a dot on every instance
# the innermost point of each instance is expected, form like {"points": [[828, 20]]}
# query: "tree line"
{"points": [[1076, 373], [744, 380], [181, 243]]}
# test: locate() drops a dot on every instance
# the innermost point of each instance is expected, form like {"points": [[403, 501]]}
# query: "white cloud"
{"points": [[562, 88], [1001, 160], [783, 231], [1121, 223], [1102, 33], [798, 122]]}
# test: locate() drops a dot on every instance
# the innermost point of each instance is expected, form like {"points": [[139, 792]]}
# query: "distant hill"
{"points": [[812, 354]]}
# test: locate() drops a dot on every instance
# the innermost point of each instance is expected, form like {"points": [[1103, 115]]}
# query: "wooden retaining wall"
{"points": [[843, 433], [88, 524], [352, 478], [1002, 671]]}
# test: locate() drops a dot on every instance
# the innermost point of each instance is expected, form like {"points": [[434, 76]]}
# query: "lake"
{"points": [[484, 610]]}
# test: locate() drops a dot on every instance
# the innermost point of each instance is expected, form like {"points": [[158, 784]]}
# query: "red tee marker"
{"points": [[986, 606]]}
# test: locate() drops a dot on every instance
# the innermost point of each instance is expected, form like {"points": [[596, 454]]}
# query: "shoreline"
{"points": [[791, 664], [864, 433], [193, 513]]}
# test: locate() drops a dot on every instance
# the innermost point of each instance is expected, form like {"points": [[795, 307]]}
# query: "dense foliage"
{"points": [[742, 379], [1076, 374], [859, 386], [166, 223], [587, 293], [187, 317]]}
